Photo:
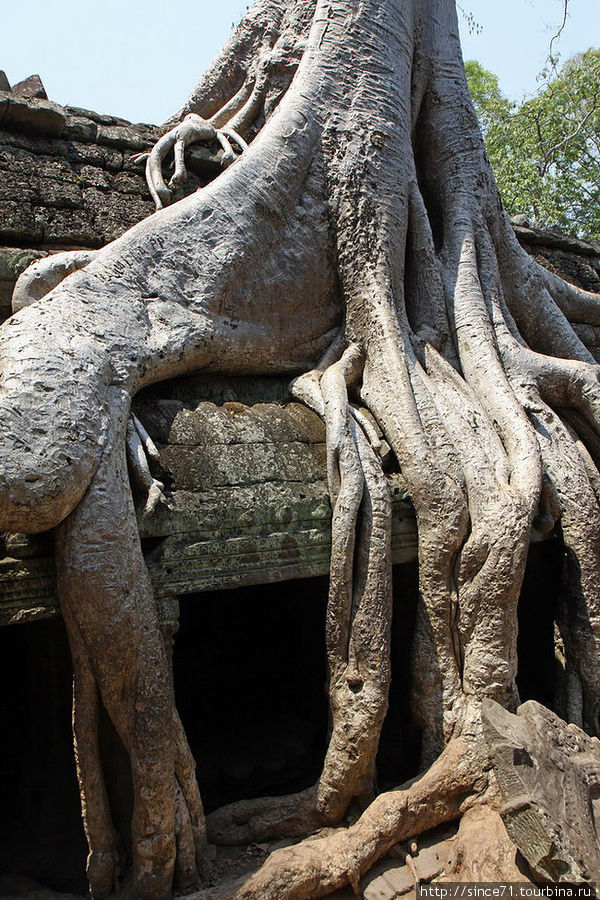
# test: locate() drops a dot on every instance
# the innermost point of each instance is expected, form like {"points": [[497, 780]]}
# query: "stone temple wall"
{"points": [[69, 179]]}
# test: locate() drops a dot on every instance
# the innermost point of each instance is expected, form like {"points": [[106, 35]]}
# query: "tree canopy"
{"points": [[545, 151]]}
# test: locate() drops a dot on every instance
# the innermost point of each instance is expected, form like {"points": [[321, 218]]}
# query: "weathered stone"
{"points": [[12, 263], [42, 200], [34, 115], [28, 589], [4, 82], [124, 137], [387, 881], [69, 228], [235, 423], [18, 222], [79, 129], [28, 546], [19, 149], [549, 777], [30, 88], [72, 182], [203, 160], [130, 183], [93, 176], [189, 390], [62, 193], [82, 154], [117, 213], [577, 268], [100, 118], [431, 861], [14, 184]]}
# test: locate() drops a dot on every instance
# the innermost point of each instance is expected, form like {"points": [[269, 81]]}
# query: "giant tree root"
{"points": [[320, 865], [110, 615]]}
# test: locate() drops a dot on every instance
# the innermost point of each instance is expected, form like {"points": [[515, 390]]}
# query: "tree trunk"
{"points": [[358, 243]]}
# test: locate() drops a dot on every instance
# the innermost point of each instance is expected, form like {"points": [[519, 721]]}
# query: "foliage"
{"points": [[545, 151]]}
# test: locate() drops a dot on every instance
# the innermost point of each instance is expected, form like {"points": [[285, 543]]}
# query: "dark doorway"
{"points": [[399, 747], [41, 835], [250, 673], [537, 673]]}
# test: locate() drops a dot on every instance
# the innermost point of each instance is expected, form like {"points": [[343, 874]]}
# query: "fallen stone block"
{"points": [[549, 777]]}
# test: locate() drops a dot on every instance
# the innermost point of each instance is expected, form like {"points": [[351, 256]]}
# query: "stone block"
{"points": [[69, 228], [20, 143], [100, 118], [549, 777], [130, 183], [93, 177], [431, 861], [30, 88], [117, 214], [28, 546], [18, 223], [62, 193], [124, 138], [236, 423], [83, 154], [39, 116], [204, 160], [79, 129], [386, 881], [222, 465], [16, 186]]}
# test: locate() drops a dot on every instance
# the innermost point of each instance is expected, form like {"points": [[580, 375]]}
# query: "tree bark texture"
{"points": [[358, 244]]}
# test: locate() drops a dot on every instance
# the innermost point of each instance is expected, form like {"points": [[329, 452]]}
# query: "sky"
{"points": [[139, 59]]}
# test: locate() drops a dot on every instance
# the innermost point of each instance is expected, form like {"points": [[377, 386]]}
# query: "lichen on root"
{"points": [[358, 243]]}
